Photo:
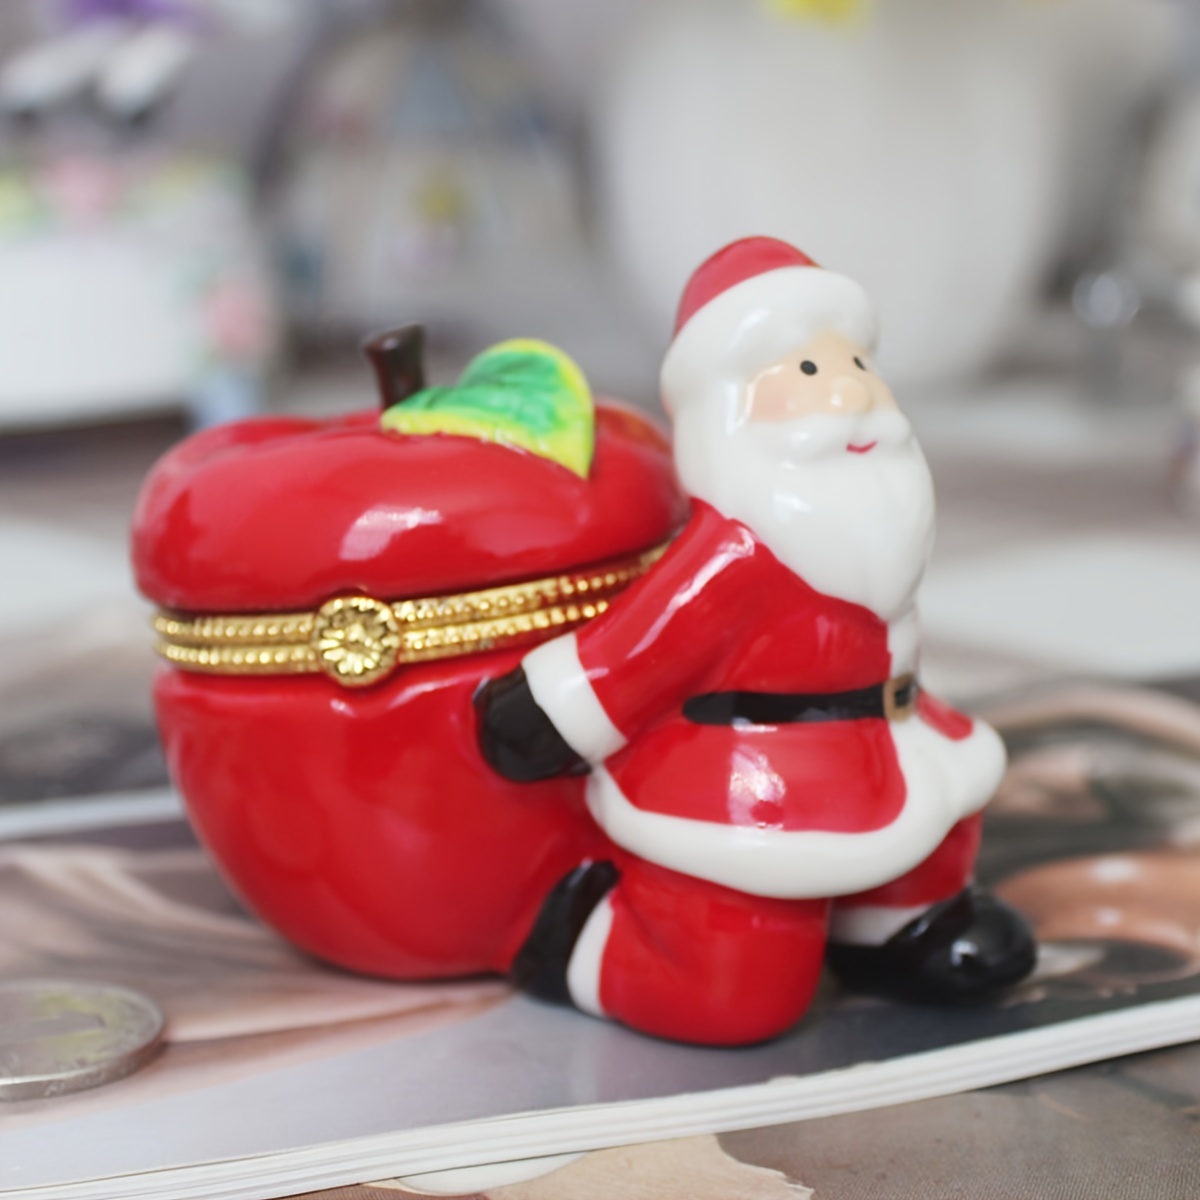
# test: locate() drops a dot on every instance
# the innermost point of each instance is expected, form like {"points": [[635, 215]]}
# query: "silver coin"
{"points": [[60, 1036]]}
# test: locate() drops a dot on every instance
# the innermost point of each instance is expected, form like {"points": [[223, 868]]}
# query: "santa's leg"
{"points": [[931, 934], [675, 956]]}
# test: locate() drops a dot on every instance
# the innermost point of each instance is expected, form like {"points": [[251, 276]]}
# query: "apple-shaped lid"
{"points": [[507, 476]]}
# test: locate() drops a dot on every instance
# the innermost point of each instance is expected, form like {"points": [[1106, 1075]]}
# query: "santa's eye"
{"points": [[808, 367], [858, 362]]}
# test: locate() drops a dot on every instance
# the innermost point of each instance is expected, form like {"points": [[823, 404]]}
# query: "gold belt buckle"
{"points": [[896, 708]]}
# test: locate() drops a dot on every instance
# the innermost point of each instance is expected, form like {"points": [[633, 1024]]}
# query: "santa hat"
{"points": [[751, 303]]}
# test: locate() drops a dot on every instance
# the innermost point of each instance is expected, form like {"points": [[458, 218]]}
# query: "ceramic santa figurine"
{"points": [[778, 789]]}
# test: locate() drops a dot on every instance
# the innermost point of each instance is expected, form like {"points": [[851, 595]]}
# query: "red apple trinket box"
{"points": [[332, 594]]}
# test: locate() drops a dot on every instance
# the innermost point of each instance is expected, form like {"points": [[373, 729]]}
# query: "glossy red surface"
{"points": [[365, 827], [284, 512], [362, 824], [690, 960], [946, 720], [734, 264]]}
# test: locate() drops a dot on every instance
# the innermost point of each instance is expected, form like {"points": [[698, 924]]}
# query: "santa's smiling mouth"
{"points": [[861, 449]]}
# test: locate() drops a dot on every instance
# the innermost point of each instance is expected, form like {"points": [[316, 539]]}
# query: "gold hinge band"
{"points": [[357, 640]]}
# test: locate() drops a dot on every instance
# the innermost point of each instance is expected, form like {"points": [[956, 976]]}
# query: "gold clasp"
{"points": [[356, 639]]}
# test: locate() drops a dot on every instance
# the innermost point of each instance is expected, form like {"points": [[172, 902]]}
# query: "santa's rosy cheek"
{"points": [[775, 396]]}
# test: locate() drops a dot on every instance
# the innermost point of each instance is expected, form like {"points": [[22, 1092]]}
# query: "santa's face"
{"points": [[829, 374], [814, 456]]}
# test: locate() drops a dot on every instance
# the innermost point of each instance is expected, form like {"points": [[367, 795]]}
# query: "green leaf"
{"points": [[522, 392]]}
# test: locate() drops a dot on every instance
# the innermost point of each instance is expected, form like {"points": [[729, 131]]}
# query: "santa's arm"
{"points": [[578, 699]]}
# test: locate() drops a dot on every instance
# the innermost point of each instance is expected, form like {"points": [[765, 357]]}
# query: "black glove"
{"points": [[516, 738]]}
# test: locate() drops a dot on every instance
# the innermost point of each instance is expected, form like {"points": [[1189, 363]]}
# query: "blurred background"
{"points": [[205, 205]]}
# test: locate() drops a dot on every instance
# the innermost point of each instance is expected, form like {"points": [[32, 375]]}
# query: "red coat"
{"points": [[798, 809]]}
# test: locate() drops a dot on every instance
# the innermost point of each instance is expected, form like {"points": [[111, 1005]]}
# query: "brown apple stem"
{"points": [[398, 359]]}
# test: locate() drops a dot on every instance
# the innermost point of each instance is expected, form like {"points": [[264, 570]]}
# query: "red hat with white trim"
{"points": [[751, 303]]}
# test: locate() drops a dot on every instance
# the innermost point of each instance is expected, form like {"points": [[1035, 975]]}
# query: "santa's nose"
{"points": [[847, 394]]}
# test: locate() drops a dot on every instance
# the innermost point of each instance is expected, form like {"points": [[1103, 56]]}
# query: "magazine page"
{"points": [[1095, 835], [1125, 1128]]}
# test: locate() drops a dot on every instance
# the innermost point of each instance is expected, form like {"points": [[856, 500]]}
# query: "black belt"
{"points": [[894, 700]]}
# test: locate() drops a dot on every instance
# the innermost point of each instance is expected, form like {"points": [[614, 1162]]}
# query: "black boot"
{"points": [[540, 967], [962, 951]]}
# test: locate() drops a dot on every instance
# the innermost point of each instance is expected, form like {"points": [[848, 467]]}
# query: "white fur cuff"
{"points": [[564, 693]]}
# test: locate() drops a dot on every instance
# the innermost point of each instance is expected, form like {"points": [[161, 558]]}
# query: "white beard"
{"points": [[858, 527]]}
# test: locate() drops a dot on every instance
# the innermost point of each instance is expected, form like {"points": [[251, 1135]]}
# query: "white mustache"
{"points": [[812, 436]]}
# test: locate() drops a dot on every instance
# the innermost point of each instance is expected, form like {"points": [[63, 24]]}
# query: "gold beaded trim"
{"points": [[357, 639]]}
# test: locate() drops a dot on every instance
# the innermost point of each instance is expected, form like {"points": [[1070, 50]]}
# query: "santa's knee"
{"points": [[673, 956]]}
